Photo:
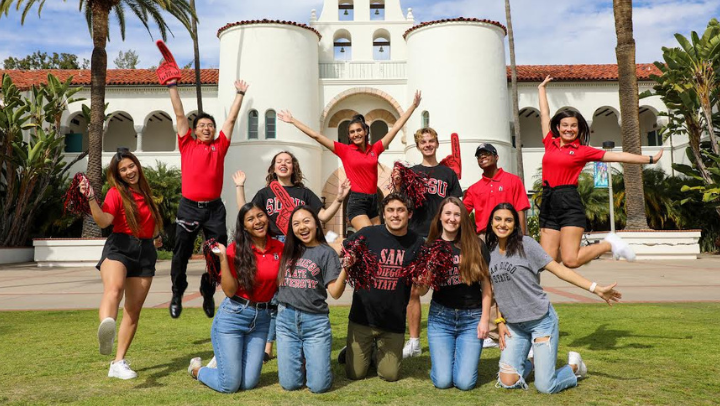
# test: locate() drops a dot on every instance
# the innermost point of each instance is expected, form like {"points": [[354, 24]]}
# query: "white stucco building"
{"points": [[368, 57]]}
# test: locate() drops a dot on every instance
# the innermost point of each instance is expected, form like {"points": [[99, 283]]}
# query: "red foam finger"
{"points": [[165, 51], [168, 71]]}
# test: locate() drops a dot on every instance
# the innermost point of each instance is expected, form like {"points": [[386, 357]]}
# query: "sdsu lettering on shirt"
{"points": [[301, 196], [442, 182], [456, 294], [304, 285], [384, 305]]}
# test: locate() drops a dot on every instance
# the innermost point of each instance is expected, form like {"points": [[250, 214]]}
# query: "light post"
{"points": [[608, 146]]}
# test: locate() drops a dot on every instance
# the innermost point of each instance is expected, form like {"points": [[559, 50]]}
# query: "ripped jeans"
{"points": [[513, 359]]}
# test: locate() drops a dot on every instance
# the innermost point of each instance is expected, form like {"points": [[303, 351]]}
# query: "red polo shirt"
{"points": [[113, 205], [360, 168], [487, 193], [562, 165], [202, 166], [268, 263]]}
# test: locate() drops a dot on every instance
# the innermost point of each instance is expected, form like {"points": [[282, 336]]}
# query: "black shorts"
{"points": [[362, 204], [138, 255], [561, 207]]}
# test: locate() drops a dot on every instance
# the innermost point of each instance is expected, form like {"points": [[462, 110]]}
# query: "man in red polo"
{"points": [[495, 187], [202, 166]]}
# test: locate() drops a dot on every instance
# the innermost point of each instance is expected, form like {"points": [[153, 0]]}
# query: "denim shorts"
{"points": [[362, 204]]}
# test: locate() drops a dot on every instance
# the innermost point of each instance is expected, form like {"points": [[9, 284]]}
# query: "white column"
{"points": [[138, 135]]}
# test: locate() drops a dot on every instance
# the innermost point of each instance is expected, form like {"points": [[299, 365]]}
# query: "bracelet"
{"points": [[91, 198], [592, 287], [651, 159], [156, 237], [499, 320], [241, 92], [239, 185], [172, 85]]}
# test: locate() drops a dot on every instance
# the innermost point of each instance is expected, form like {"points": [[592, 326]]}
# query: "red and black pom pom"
{"points": [[432, 265], [361, 274], [75, 202], [212, 262], [412, 184]]}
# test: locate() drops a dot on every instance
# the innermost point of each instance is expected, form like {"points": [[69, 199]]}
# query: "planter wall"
{"points": [[16, 255], [68, 251], [652, 244]]}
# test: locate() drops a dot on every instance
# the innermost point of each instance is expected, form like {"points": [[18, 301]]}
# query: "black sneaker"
{"points": [[341, 356], [176, 306], [207, 290]]}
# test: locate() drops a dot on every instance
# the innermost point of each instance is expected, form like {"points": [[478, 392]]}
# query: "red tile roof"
{"points": [[571, 73], [265, 21], [146, 77], [450, 20], [23, 79]]}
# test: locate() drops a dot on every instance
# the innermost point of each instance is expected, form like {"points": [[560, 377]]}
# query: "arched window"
{"points": [[270, 125], [381, 45], [346, 11], [377, 11], [342, 46], [343, 132], [378, 129], [425, 119], [253, 125]]}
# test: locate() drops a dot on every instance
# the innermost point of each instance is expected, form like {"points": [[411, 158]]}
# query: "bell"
{"points": [[381, 49], [345, 13], [377, 12], [342, 49]]}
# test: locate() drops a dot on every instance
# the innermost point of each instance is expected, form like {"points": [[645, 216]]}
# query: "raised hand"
{"points": [[241, 86], [417, 98], [239, 178], [219, 250], [86, 189], [343, 190], [547, 80], [285, 116]]}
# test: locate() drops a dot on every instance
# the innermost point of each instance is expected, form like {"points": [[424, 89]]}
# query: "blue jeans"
{"points": [[454, 346], [303, 335], [513, 359], [273, 315], [238, 338]]}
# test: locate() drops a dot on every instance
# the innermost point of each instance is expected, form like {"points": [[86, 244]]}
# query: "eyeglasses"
{"points": [[201, 126], [121, 151]]}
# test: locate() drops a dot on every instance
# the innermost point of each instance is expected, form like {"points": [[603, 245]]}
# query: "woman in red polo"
{"points": [[249, 273], [127, 264], [360, 160], [562, 215]]}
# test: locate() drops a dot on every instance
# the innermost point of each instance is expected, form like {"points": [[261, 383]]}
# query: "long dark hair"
{"points": [[515, 239], [296, 177], [583, 128], [132, 216], [360, 119], [472, 266], [294, 248], [245, 265]]}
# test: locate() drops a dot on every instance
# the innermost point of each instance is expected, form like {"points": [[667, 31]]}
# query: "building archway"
{"points": [[120, 132]]}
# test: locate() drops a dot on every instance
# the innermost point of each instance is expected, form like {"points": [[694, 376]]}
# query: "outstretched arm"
{"points": [[326, 214], [239, 179], [240, 88], [544, 106], [628, 158], [287, 117], [606, 293], [182, 122], [400, 123]]}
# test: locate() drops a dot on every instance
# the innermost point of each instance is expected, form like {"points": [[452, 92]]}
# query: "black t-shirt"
{"points": [[266, 199], [456, 294], [442, 182], [384, 305]]}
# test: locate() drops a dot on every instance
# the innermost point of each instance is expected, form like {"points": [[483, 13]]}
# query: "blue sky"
{"points": [[546, 32]]}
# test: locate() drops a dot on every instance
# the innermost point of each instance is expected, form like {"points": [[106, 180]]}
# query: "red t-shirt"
{"points": [[113, 205], [562, 165], [268, 263], [487, 193], [360, 168], [202, 166]]}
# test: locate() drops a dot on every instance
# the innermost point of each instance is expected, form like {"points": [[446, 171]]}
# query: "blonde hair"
{"points": [[425, 130]]}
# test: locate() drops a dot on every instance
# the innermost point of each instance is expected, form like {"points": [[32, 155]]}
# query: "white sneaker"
{"points": [[212, 363], [121, 369], [412, 349], [194, 363], [574, 358], [106, 335], [620, 248], [490, 343]]}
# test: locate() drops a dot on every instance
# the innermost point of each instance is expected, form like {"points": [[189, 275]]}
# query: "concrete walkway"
{"points": [[27, 287]]}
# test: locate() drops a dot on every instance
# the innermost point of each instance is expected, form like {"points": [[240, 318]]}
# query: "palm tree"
{"points": [[514, 92], [196, 52], [97, 14], [629, 113]]}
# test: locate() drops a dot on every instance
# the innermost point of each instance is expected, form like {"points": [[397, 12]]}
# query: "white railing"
{"points": [[363, 70]]}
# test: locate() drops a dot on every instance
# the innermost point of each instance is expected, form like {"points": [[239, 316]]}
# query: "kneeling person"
{"points": [[377, 316]]}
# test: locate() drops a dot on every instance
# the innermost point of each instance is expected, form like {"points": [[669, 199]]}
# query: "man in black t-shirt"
{"points": [[442, 182], [377, 316]]}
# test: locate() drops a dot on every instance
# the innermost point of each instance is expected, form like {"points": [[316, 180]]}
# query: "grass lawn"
{"points": [[644, 354]]}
